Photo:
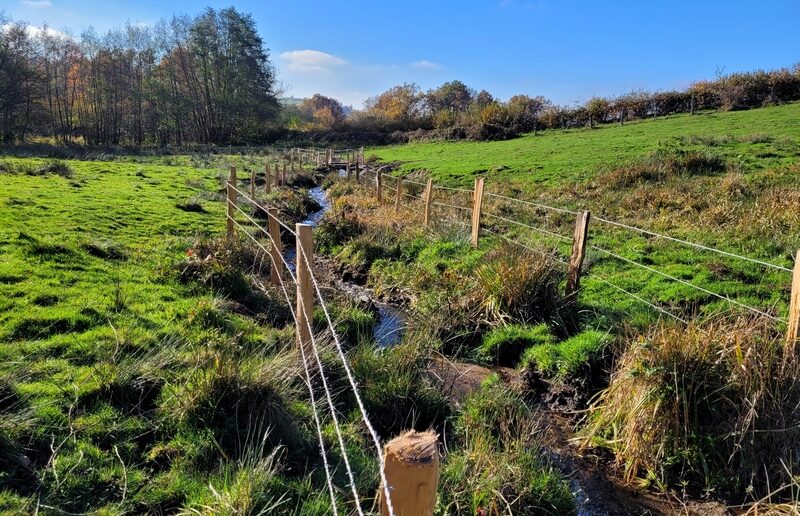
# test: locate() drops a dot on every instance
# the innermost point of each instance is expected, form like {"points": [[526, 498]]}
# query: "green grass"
{"points": [[568, 358], [555, 156], [504, 345]]}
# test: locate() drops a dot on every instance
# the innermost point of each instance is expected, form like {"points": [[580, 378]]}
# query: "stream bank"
{"points": [[597, 486]]}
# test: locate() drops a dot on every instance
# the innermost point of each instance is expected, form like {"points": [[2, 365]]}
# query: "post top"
{"points": [[414, 447]]}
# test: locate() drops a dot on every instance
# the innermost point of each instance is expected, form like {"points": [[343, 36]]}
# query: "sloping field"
{"points": [[556, 156]]}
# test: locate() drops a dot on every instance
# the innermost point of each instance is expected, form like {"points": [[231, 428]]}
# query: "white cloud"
{"points": [[311, 61], [35, 32], [427, 65], [37, 3]]}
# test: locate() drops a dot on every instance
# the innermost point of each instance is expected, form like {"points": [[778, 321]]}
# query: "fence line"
{"points": [[328, 396], [602, 250], [331, 327], [308, 377]]}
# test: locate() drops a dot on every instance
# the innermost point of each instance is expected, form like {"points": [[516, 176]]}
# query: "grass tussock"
{"points": [[53, 167], [710, 408], [665, 164], [497, 468], [516, 284]]}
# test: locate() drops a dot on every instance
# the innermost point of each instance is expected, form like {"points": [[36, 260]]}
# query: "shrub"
{"points": [[711, 406], [567, 358], [504, 345]]}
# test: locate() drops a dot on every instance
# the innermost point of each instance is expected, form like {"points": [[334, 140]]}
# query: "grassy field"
{"points": [[554, 157], [142, 372]]}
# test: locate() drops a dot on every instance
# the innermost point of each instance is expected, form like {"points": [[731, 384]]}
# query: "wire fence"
{"points": [[314, 362], [513, 209]]}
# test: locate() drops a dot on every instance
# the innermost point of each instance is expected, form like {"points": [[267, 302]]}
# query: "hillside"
{"points": [[757, 139]]}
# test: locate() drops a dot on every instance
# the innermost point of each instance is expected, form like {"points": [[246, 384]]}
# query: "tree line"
{"points": [[209, 79], [456, 111], [204, 79]]}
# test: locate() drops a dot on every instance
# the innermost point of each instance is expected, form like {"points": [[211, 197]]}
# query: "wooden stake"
{"points": [[477, 202], [398, 195], [426, 216], [277, 175], [794, 306], [283, 175], [305, 293], [379, 185], [276, 250], [231, 201], [267, 179], [411, 468], [253, 184], [578, 253]]}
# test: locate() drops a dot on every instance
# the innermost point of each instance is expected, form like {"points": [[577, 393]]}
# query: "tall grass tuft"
{"points": [[518, 285], [497, 467], [712, 407]]}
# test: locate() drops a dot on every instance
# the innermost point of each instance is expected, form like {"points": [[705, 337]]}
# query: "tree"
{"points": [[525, 111], [597, 109], [400, 106], [453, 96], [324, 111], [19, 79]]}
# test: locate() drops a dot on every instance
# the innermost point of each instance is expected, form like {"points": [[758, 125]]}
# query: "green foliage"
{"points": [[569, 358], [504, 345], [396, 390], [518, 284]]}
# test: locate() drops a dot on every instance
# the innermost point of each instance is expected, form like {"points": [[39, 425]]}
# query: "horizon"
{"points": [[607, 53]]}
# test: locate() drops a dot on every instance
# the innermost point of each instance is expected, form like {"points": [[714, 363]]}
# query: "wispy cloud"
{"points": [[37, 3], [426, 65], [311, 61]]}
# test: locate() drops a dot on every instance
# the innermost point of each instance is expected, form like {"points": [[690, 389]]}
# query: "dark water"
{"points": [[389, 329]]}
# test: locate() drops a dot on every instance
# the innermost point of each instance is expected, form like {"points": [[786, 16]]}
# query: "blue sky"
{"points": [[566, 51]]}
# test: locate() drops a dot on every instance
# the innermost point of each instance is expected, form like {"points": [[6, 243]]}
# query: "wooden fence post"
{"points": [[793, 332], [283, 175], [477, 202], [230, 198], [578, 253], [411, 468], [426, 215], [398, 195], [267, 179], [253, 184], [379, 185], [276, 250], [291, 158], [277, 175], [305, 293]]}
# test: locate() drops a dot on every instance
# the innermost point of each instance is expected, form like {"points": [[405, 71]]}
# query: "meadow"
{"points": [[144, 371]]}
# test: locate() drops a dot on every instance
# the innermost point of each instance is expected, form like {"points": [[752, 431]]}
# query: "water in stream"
{"points": [[391, 324]]}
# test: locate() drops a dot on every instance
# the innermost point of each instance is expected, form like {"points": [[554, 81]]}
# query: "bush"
{"points": [[568, 358], [708, 407], [504, 345]]}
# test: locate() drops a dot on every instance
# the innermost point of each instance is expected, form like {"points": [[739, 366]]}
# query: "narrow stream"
{"points": [[391, 324]]}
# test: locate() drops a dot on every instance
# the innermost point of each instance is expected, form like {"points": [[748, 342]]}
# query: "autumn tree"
{"points": [[399, 106], [325, 112]]}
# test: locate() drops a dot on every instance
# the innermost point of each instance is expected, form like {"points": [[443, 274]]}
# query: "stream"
{"points": [[391, 323], [596, 494]]}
